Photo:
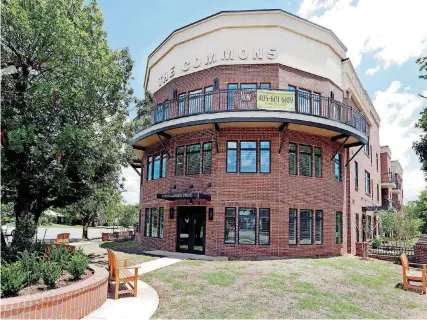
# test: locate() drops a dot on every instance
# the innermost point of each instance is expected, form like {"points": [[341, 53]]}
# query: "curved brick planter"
{"points": [[71, 302]]}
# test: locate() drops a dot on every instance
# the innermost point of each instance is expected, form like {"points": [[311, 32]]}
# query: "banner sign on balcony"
{"points": [[275, 100]]}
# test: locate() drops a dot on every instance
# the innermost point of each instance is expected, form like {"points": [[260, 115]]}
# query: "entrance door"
{"points": [[191, 229]]}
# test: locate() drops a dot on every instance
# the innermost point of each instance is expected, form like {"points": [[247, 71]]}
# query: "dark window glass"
{"points": [[181, 104], [166, 111], [370, 152], [247, 225], [159, 116], [265, 85], [318, 162], [150, 168], [337, 167], [319, 227], [264, 226], [367, 182], [163, 174], [231, 156], [292, 226], [378, 193], [195, 99], [244, 86], [248, 157], [193, 159], [208, 99], [357, 228], [338, 230], [161, 213], [377, 161], [154, 223], [230, 225], [305, 161], [207, 157], [179, 161], [230, 95], [306, 226], [265, 156], [147, 223], [366, 148], [292, 158], [156, 173], [356, 175]]}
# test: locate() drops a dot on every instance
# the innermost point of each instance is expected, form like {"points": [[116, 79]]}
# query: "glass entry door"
{"points": [[191, 229]]}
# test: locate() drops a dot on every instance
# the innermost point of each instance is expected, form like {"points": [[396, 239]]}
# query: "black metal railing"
{"points": [[387, 177], [391, 251], [398, 186], [246, 99]]}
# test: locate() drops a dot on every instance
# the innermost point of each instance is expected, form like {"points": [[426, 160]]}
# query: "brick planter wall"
{"points": [[361, 247], [71, 302], [420, 250]]}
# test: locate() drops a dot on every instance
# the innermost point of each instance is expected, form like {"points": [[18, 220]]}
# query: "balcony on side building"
{"points": [[387, 180]]}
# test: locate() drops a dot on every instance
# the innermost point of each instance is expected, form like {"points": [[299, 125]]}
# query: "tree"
{"points": [[129, 215], [420, 147], [400, 227], [64, 97], [418, 210]]}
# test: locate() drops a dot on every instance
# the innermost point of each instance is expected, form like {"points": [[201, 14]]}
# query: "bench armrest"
{"points": [[125, 262], [418, 264]]}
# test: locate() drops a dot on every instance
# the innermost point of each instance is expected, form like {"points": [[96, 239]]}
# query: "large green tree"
{"points": [[421, 146], [418, 209], [64, 98]]}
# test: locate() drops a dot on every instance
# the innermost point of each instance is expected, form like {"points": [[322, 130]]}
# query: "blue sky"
{"points": [[383, 43]]}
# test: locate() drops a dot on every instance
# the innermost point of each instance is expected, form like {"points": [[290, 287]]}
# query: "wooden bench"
{"points": [[417, 274], [122, 275], [62, 238]]}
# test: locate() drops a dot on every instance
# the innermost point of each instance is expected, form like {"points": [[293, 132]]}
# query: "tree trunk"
{"points": [[85, 230]]}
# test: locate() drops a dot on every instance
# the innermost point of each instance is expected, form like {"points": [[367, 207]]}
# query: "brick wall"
{"points": [[72, 302], [420, 250]]}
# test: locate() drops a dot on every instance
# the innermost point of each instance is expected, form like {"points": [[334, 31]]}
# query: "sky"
{"points": [[383, 38]]}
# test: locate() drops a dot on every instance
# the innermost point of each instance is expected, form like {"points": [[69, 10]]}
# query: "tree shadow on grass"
{"points": [[98, 259], [131, 247]]}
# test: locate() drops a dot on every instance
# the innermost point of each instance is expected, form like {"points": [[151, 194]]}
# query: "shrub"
{"points": [[77, 265], [50, 273], [61, 255], [32, 265], [12, 278], [376, 243]]}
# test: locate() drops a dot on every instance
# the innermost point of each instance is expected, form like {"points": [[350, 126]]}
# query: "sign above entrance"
{"points": [[275, 100], [184, 195]]}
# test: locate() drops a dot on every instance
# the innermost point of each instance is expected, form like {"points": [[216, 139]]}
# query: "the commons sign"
{"points": [[275, 100]]}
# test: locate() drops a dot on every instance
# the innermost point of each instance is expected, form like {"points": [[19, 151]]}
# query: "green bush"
{"points": [[51, 272], [32, 265], [13, 278], [376, 243], [77, 265], [61, 255]]}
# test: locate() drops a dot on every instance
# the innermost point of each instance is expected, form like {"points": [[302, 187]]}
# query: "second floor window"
{"points": [[248, 156], [207, 157], [193, 159], [356, 175], [265, 156], [182, 101], [318, 162], [292, 158], [156, 166], [305, 161], [231, 156], [367, 182], [195, 99], [208, 99], [337, 167], [179, 161], [230, 95]]}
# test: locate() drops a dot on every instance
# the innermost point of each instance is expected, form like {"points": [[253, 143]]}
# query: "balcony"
{"points": [[389, 205], [398, 187], [387, 180], [274, 107]]}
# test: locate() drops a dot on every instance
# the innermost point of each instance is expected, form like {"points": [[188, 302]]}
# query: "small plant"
{"points": [[376, 243], [61, 255], [32, 265], [77, 265], [50, 273], [13, 278]]}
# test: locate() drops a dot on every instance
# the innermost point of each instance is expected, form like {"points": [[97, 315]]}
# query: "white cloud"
{"points": [[372, 71], [399, 111], [131, 184], [392, 30]]}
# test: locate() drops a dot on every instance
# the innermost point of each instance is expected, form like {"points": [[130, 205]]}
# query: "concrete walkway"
{"points": [[143, 306]]}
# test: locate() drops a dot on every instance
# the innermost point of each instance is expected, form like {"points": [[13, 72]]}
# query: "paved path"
{"points": [[142, 306]]}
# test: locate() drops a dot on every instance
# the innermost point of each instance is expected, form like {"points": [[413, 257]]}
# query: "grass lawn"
{"points": [[340, 287]]}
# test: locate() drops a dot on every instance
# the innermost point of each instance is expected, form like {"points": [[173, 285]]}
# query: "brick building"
{"points": [[263, 141]]}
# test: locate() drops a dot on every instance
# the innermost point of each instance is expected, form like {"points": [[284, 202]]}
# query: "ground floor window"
{"points": [[319, 227], [264, 226], [154, 218], [230, 225], [338, 230], [306, 225], [247, 225], [292, 226]]}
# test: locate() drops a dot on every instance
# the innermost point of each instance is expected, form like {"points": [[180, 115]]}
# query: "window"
{"points": [[357, 228], [370, 152], [193, 159], [338, 228], [248, 156], [318, 162], [265, 156], [247, 225], [264, 226], [230, 95], [245, 86], [147, 222], [150, 168], [306, 224], [367, 182], [366, 149], [161, 213], [305, 161], [356, 175], [156, 172], [378, 193], [208, 99], [159, 114], [318, 228], [166, 111], [163, 171], [154, 223], [292, 88], [337, 167], [304, 101], [182, 99], [264, 85], [179, 161], [292, 158], [316, 104], [195, 101], [231, 156], [230, 225], [377, 162], [207, 157], [292, 226]]}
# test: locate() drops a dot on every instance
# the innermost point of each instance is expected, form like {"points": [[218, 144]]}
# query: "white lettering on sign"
{"points": [[226, 54]]}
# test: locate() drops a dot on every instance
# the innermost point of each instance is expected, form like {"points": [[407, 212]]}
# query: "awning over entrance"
{"points": [[184, 195]]}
